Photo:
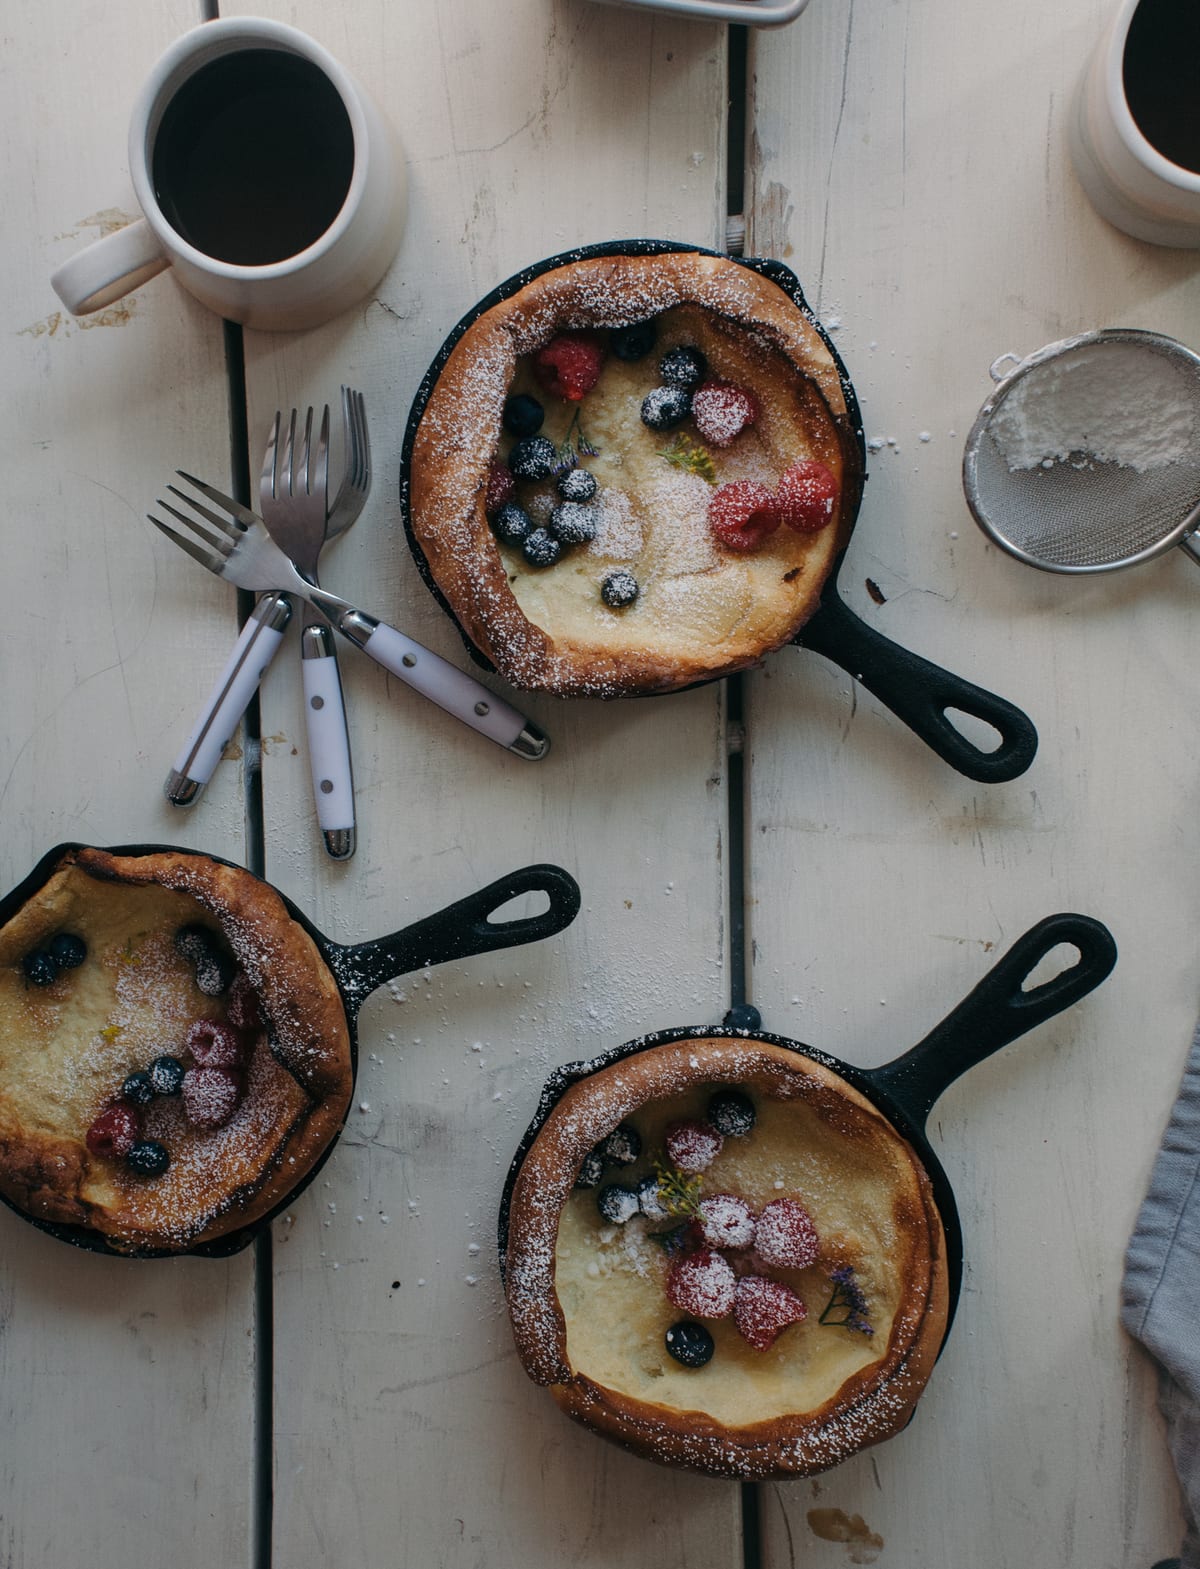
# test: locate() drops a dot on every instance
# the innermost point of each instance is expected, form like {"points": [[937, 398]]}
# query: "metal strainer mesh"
{"points": [[1087, 456]]}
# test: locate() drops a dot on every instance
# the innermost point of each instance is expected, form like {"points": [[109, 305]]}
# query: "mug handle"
{"points": [[109, 268]]}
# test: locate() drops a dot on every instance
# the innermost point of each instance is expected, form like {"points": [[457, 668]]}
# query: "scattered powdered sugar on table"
{"points": [[1111, 402]]}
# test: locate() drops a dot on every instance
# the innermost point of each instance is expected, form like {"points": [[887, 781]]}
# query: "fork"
{"points": [[293, 487], [262, 634], [234, 544]]}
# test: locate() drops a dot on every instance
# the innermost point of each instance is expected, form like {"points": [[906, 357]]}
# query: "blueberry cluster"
{"points": [[535, 458], [64, 951], [681, 370]]}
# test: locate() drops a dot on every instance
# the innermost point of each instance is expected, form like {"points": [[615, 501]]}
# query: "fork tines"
{"points": [[228, 529]]}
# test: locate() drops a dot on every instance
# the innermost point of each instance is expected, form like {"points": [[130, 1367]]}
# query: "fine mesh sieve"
{"points": [[1086, 458]]}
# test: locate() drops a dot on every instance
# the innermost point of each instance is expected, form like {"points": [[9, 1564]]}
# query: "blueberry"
{"points": [[665, 407], [149, 1158], [138, 1089], [533, 458], [40, 967], [512, 524], [591, 1171], [617, 1204], [650, 1200], [540, 548], [523, 415], [166, 1075], [623, 1145], [195, 942], [574, 523], [619, 588], [690, 1343], [731, 1113], [634, 342], [577, 485], [683, 367], [67, 950], [214, 975]]}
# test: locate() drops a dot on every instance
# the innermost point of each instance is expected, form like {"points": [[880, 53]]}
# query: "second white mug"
{"points": [[268, 180], [1133, 124]]}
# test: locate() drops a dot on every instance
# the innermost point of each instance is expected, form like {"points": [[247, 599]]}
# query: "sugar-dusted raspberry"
{"points": [[214, 1045], [242, 1007], [727, 1221], [692, 1145], [763, 1308], [210, 1096], [702, 1284], [743, 515], [500, 487], [569, 365], [114, 1132], [722, 411], [807, 496], [786, 1237]]}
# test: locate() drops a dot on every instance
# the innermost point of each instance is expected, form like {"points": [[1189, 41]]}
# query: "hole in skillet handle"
{"points": [[1005, 1005], [461, 930], [921, 693]]}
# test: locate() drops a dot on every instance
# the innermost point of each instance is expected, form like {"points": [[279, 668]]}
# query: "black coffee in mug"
{"points": [[1161, 72], [253, 158]]}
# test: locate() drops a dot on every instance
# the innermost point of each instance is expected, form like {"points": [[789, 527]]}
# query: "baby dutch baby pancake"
{"points": [[174, 1054], [722, 1256], [634, 473]]}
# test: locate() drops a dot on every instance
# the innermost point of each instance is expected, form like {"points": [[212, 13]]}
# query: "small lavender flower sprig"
{"points": [[849, 1300], [573, 446]]}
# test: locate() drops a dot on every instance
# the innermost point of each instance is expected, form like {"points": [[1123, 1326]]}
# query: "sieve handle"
{"points": [[923, 695], [1190, 545]]}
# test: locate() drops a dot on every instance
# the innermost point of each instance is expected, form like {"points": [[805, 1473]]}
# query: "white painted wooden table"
{"points": [[347, 1391]]}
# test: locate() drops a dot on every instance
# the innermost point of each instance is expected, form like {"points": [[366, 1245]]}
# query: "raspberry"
{"points": [[500, 488], [210, 1096], [727, 1221], [763, 1308], [702, 1284], [807, 496], [569, 365], [692, 1146], [722, 411], [743, 514], [214, 1045], [242, 1005], [786, 1237], [114, 1132]]}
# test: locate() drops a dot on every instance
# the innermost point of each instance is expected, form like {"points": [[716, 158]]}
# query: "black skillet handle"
{"points": [[999, 1010], [920, 693], [459, 931]]}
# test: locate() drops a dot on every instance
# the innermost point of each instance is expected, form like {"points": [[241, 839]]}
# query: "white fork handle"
{"points": [[450, 688], [328, 743], [236, 685]]}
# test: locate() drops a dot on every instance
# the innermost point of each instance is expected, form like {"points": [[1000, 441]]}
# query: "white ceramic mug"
{"points": [[338, 268], [1127, 178]]}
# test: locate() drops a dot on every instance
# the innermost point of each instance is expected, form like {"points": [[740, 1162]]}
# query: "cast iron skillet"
{"points": [[917, 691], [460, 930], [905, 1089]]}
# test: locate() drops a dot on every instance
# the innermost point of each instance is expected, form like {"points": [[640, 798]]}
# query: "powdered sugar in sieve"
{"points": [[1087, 456]]}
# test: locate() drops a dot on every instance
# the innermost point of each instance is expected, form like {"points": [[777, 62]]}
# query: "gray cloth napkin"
{"points": [[1161, 1296]]}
